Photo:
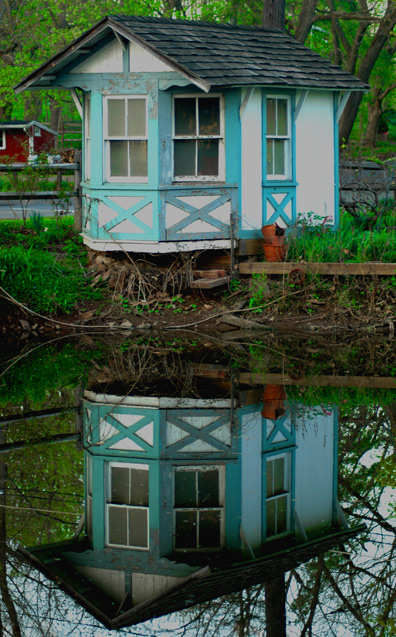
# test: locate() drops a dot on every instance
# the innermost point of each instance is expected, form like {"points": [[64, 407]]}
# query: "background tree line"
{"points": [[357, 34]]}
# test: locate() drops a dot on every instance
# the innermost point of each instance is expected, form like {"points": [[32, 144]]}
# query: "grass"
{"points": [[42, 265], [322, 244]]}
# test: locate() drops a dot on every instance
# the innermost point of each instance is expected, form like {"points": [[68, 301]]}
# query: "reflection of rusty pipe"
{"points": [[273, 401]]}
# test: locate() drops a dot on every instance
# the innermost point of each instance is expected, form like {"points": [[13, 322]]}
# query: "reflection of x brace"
{"points": [[131, 432], [199, 434]]}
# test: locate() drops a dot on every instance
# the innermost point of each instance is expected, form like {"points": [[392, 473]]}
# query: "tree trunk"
{"points": [[374, 114], [366, 66], [275, 612], [305, 20], [274, 14]]}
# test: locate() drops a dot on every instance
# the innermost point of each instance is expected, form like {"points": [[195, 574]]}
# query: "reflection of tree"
{"points": [[352, 589]]}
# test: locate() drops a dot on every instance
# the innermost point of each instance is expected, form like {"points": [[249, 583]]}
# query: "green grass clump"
{"points": [[322, 244], [37, 279]]}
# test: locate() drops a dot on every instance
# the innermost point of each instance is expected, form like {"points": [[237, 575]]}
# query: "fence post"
{"points": [[77, 188]]}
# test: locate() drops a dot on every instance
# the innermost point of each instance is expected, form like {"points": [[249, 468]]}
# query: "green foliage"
{"points": [[258, 292], [37, 222], [38, 280], [322, 244], [45, 370]]}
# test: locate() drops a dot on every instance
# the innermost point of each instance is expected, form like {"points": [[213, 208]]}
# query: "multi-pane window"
{"points": [[126, 138], [278, 494], [278, 138], [127, 506], [197, 138], [198, 508], [87, 135]]}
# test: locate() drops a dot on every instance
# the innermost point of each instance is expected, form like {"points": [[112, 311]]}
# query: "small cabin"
{"points": [[187, 499], [197, 134], [19, 139]]}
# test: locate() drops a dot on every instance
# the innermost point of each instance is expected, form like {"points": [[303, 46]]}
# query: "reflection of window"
{"points": [[197, 138], [278, 138], [87, 134], [2, 139], [198, 508], [278, 493], [126, 138], [127, 506]]}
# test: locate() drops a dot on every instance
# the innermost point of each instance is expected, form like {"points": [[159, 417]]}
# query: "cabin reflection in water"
{"points": [[189, 499]]}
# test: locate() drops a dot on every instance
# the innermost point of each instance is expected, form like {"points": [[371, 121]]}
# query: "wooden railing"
{"points": [[22, 195]]}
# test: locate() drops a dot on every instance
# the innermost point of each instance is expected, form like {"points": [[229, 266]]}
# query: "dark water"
{"points": [[198, 487]]}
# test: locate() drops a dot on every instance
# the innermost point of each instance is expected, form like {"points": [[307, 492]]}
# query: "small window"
{"points": [[199, 513], [198, 144], [126, 138], [2, 139], [278, 138], [278, 495], [37, 131], [127, 506]]}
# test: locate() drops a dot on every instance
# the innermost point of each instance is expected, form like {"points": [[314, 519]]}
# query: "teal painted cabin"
{"points": [[197, 134], [188, 499]]}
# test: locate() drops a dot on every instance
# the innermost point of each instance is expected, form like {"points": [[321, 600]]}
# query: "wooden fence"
{"points": [[26, 195]]}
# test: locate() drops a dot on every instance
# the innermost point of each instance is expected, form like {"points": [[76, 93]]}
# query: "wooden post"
{"points": [[77, 188], [274, 14]]}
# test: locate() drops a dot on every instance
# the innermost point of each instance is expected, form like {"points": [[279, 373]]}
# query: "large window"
{"points": [[126, 138], [198, 502], [278, 138], [198, 142], [278, 495], [127, 506]]}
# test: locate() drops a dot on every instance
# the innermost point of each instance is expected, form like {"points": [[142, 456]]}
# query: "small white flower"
{"points": [[45, 229]]}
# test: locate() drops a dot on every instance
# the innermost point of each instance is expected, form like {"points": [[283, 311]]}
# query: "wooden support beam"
{"points": [[341, 269], [376, 382], [206, 284]]}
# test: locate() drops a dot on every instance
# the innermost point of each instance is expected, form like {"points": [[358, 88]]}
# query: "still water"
{"points": [[188, 487]]}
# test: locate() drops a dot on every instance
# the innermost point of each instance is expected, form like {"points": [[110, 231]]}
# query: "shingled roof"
{"points": [[229, 55], [213, 55]]}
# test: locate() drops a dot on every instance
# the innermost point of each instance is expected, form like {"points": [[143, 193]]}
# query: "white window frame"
{"points": [[87, 136], [221, 137], [37, 131], [201, 468], [286, 492], [107, 140], [287, 176], [128, 465], [3, 142]]}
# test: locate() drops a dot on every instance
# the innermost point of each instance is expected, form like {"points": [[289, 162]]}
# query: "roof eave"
{"points": [[49, 67]]}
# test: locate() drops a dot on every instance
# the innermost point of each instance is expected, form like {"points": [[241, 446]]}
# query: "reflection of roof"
{"points": [[20, 123], [204, 585], [213, 54]]}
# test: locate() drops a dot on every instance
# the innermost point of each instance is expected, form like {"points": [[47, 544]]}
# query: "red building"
{"points": [[19, 139]]}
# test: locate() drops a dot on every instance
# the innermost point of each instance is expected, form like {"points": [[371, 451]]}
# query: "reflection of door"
{"points": [[278, 495], [127, 506], [198, 502]]}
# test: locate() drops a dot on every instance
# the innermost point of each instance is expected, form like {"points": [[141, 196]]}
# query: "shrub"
{"points": [[39, 281]]}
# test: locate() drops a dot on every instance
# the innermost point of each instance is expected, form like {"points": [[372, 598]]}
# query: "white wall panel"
{"points": [[251, 131], [315, 155]]}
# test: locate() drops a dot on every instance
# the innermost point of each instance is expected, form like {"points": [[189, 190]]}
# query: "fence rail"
{"points": [[20, 194]]}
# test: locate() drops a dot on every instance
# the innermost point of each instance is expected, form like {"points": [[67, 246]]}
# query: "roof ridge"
{"points": [[201, 23]]}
